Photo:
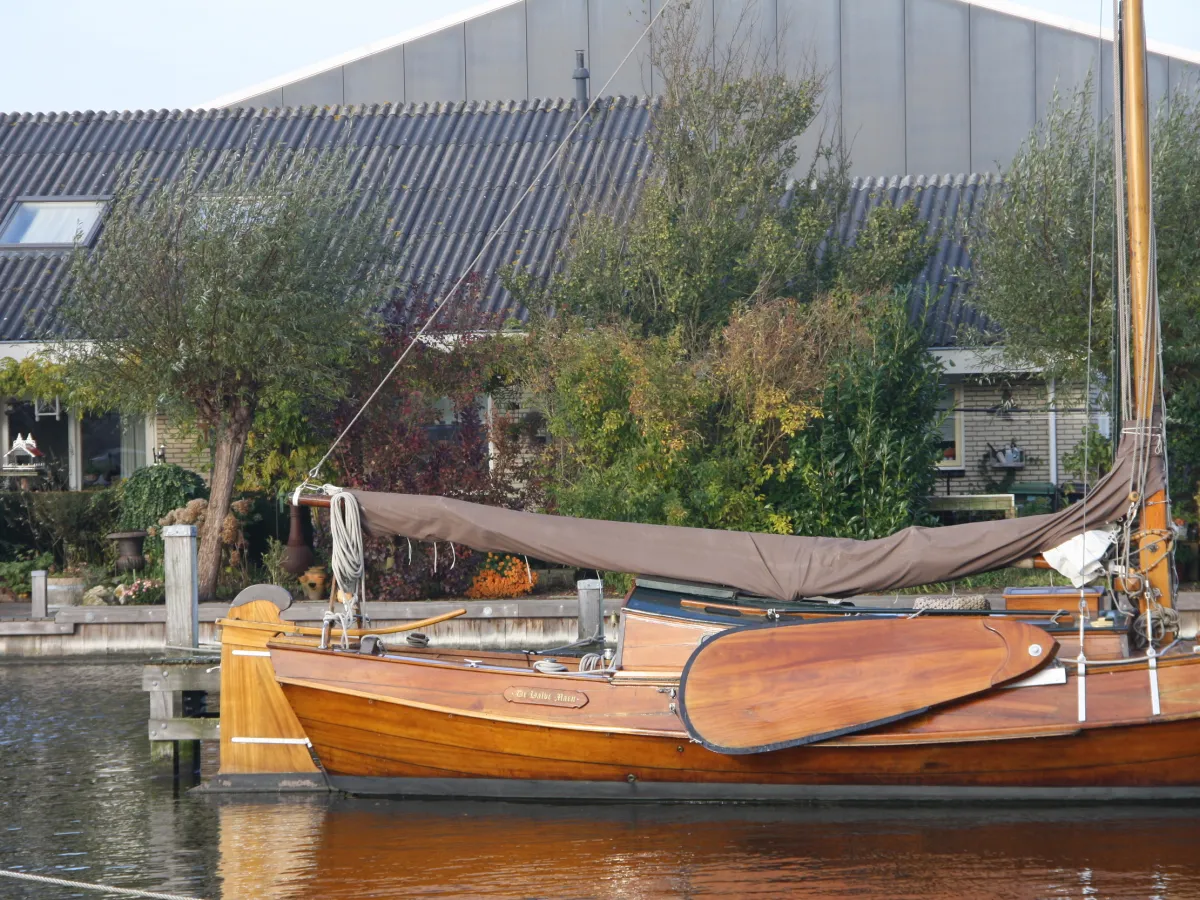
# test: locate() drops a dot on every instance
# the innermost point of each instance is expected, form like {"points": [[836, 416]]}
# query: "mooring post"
{"points": [[37, 595], [182, 585]]}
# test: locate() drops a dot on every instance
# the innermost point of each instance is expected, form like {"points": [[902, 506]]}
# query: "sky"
{"points": [[155, 54]]}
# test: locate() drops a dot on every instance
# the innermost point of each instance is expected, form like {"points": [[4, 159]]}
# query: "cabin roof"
{"points": [[458, 169]]}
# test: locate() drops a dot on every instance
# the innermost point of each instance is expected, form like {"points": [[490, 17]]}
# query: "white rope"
{"points": [[88, 886], [345, 526], [347, 558], [491, 238]]}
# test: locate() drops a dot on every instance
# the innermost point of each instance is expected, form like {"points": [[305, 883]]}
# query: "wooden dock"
{"points": [[184, 704]]}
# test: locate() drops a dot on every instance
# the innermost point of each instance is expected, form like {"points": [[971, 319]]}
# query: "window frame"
{"points": [[958, 464], [86, 241]]}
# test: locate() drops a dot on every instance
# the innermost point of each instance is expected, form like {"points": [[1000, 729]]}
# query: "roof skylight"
{"points": [[51, 223]]}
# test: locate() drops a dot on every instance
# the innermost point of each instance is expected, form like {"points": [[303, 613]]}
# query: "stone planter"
{"points": [[65, 591], [129, 550]]}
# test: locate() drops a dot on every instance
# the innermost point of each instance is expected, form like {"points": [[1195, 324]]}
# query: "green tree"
{"points": [[710, 229], [695, 331], [864, 468], [225, 291], [1031, 251], [1033, 270]]}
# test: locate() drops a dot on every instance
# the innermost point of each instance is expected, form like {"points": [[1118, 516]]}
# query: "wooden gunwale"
{"points": [[816, 612], [309, 631], [471, 714], [460, 666]]}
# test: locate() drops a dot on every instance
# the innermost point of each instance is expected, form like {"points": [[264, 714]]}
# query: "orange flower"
{"points": [[502, 577]]}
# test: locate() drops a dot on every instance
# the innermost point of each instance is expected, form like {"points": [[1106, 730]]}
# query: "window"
{"points": [[950, 418], [51, 223]]}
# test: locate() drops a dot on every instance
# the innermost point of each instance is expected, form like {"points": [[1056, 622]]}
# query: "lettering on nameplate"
{"points": [[546, 697]]}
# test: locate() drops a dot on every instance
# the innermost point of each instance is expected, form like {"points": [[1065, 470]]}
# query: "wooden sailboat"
{"points": [[705, 700]]}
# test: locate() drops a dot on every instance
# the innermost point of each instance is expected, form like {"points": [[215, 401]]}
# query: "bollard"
{"points": [[37, 595], [182, 585], [591, 609]]}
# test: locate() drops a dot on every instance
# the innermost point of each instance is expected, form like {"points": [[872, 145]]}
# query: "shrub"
{"points": [[150, 493], [864, 468], [1097, 450], [235, 562], [272, 561], [72, 525], [428, 433], [14, 575]]}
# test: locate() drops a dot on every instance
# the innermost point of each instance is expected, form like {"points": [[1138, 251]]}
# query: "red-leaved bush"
{"points": [[431, 430]]}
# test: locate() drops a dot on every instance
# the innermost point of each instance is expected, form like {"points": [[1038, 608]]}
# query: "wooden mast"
{"points": [[1154, 524]]}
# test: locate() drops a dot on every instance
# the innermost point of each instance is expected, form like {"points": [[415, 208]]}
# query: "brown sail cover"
{"points": [[783, 567]]}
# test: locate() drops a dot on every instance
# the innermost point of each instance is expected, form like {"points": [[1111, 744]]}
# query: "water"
{"points": [[79, 799]]}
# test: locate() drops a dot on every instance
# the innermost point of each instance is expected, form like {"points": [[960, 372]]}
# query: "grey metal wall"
{"points": [[916, 86]]}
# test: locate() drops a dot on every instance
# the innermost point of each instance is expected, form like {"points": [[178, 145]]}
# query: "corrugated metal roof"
{"points": [[453, 172], [947, 204]]}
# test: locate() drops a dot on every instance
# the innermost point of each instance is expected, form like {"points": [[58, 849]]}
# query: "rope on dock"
{"points": [[88, 886]]}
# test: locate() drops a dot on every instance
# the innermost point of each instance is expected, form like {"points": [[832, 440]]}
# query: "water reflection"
{"points": [[360, 848], [79, 799]]}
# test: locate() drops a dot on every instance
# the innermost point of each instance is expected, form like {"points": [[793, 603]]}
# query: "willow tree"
{"points": [[1038, 271], [212, 293]]}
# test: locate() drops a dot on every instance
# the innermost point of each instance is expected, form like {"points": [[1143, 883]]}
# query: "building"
{"points": [[458, 168], [918, 87], [453, 171]]}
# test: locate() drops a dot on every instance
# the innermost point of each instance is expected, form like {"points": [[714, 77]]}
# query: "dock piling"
{"points": [[37, 595], [182, 585]]}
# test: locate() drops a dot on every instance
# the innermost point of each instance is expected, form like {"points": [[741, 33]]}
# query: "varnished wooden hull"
{"points": [[411, 727]]}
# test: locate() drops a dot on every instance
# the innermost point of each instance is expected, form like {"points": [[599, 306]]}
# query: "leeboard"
{"points": [[752, 690]]}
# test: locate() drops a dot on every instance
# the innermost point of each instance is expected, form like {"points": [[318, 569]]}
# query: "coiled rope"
{"points": [[345, 525], [89, 886], [347, 561]]}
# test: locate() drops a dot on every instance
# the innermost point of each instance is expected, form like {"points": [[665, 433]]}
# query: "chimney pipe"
{"points": [[581, 81]]}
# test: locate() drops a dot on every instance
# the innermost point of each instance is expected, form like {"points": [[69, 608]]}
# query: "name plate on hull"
{"points": [[546, 697]]}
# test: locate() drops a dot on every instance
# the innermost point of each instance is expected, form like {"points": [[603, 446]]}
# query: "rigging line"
{"points": [[1120, 238], [1087, 393], [491, 238], [90, 886], [1121, 242]]}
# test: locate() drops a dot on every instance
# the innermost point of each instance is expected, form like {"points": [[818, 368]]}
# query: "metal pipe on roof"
{"points": [[581, 77]]}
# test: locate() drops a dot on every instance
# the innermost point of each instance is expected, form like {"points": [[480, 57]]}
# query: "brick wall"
{"points": [[180, 446], [1000, 411]]}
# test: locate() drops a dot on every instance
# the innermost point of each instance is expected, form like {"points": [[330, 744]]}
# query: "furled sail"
{"points": [[783, 567]]}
